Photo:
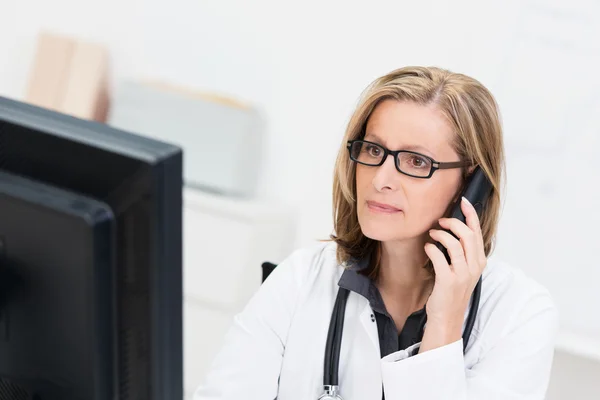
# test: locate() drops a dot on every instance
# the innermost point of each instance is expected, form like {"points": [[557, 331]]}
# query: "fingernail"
{"points": [[465, 200]]}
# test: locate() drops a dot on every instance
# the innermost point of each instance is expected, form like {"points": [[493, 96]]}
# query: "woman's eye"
{"points": [[418, 162], [373, 150]]}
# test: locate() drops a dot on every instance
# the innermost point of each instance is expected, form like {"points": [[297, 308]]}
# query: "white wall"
{"points": [[305, 63]]}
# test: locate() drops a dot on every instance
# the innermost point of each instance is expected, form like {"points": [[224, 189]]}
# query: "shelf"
{"points": [[580, 345]]}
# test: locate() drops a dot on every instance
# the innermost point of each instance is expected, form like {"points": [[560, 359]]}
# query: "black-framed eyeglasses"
{"points": [[407, 162]]}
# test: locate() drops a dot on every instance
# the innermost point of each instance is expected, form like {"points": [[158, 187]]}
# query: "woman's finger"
{"points": [[468, 238], [473, 222], [472, 219], [440, 265], [458, 260], [461, 230]]}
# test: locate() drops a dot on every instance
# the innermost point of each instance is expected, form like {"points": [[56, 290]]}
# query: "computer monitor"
{"points": [[90, 260]]}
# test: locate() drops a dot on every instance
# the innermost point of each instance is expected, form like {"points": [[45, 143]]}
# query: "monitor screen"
{"points": [[90, 235]]}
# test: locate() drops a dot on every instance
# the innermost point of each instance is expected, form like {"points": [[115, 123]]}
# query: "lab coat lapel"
{"points": [[361, 357], [367, 318], [369, 369]]}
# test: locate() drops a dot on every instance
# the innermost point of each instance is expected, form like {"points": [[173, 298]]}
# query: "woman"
{"points": [[407, 305]]}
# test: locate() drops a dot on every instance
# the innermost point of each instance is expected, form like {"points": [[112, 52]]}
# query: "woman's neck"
{"points": [[402, 280]]}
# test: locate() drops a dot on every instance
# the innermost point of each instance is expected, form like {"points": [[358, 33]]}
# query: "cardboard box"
{"points": [[85, 92], [70, 76], [50, 71]]}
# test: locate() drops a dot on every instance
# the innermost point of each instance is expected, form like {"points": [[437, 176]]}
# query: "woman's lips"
{"points": [[382, 208]]}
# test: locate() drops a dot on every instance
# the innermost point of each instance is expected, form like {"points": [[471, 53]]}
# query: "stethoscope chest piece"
{"points": [[330, 393]]}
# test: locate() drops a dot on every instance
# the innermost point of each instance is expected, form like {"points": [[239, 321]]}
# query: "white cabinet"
{"points": [[225, 242], [204, 329]]}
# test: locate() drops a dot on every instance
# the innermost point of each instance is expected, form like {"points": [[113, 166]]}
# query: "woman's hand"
{"points": [[454, 283]]}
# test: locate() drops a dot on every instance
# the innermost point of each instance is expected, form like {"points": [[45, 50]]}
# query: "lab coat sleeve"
{"points": [[514, 366], [248, 364]]}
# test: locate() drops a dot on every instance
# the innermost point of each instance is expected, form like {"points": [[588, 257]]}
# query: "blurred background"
{"points": [[258, 94]]}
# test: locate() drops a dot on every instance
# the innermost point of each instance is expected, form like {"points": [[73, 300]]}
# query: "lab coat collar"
{"points": [[353, 280]]}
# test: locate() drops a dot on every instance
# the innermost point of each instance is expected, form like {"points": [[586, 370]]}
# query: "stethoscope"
{"points": [[334, 340]]}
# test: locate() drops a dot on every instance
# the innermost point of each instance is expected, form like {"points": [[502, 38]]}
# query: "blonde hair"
{"points": [[473, 114]]}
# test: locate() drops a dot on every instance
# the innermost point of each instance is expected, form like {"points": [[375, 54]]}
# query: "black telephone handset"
{"points": [[477, 190]]}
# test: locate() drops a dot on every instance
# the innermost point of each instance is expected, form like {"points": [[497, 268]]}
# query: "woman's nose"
{"points": [[386, 175]]}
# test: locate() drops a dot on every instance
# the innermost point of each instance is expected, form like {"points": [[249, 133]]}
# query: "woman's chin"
{"points": [[383, 232]]}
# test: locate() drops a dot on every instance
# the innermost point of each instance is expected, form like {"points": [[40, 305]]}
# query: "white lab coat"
{"points": [[275, 348]]}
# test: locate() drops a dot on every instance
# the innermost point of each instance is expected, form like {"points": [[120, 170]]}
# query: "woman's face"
{"points": [[392, 206]]}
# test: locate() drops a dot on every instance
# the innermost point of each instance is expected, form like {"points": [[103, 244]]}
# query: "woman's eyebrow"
{"points": [[374, 138], [418, 149], [411, 147]]}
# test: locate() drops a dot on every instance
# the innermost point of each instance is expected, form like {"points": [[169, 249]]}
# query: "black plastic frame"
{"points": [[435, 165]]}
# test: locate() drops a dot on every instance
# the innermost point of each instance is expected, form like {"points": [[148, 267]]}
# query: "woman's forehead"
{"points": [[400, 125]]}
